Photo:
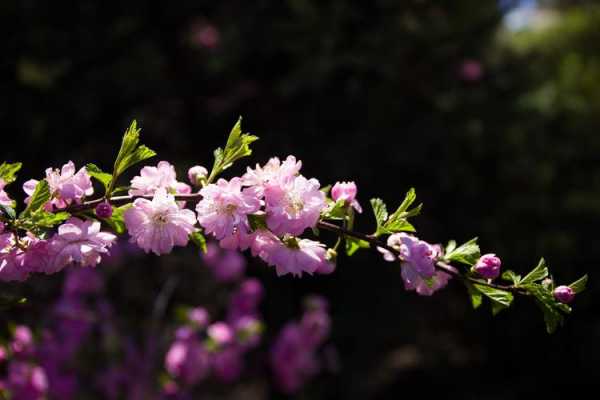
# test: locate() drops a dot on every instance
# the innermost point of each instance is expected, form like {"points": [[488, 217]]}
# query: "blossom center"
{"points": [[160, 219]]}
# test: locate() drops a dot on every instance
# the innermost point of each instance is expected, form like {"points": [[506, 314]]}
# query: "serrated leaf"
{"points": [[381, 214], [237, 146], [335, 210], [8, 212], [44, 219], [129, 153], [400, 225], [475, 295], [579, 285], [537, 274], [8, 171], [354, 244], [549, 306], [39, 198], [199, 240], [496, 295], [450, 247], [509, 275], [95, 172], [467, 253]]}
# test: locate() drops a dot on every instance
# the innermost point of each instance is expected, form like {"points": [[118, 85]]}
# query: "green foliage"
{"points": [[44, 219], [237, 146], [8, 212], [8, 171], [511, 276], [398, 221], [552, 309], [354, 244], [335, 210], [130, 153], [537, 274], [467, 253], [102, 177], [579, 285], [500, 299], [199, 240], [40, 197], [475, 295], [257, 221]]}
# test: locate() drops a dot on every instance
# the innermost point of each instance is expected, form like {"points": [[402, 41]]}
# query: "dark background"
{"points": [[374, 92]]}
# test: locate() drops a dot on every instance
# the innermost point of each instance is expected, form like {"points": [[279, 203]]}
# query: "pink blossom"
{"points": [[159, 225], [227, 364], [346, 191], [296, 256], [224, 207], [187, 360], [420, 254], [78, 241], [293, 205], [424, 287], [4, 199], [273, 171], [26, 381], [22, 344], [471, 70], [226, 265], [66, 186], [221, 333], [151, 179], [199, 317], [245, 300], [292, 359]]}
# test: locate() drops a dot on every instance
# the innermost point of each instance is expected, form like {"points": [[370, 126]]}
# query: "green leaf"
{"points": [[450, 247], [475, 295], [579, 285], [199, 240], [8, 212], [496, 295], [509, 275], [98, 174], [257, 221], [354, 244], [549, 306], [8, 171], [467, 253], [40, 197], [537, 274], [381, 215], [335, 210], [44, 219], [129, 153], [397, 222], [116, 220], [497, 307], [237, 146]]}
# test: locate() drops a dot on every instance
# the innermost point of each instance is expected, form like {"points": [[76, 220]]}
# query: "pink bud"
{"points": [[104, 210], [564, 294], [488, 266], [346, 191], [220, 332], [199, 316], [196, 174]]}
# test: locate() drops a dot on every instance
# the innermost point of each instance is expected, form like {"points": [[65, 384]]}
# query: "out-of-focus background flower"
{"points": [[490, 109]]}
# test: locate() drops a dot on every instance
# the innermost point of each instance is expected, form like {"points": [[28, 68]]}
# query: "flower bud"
{"points": [[564, 294], [488, 266], [220, 333], [104, 210], [346, 191], [198, 317], [197, 175]]}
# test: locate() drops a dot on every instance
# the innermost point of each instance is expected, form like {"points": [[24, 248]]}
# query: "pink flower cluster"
{"points": [[294, 355], [79, 242], [66, 186], [288, 202], [202, 349]]}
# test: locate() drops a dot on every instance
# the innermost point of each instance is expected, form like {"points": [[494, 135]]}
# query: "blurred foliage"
{"points": [[496, 129]]}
